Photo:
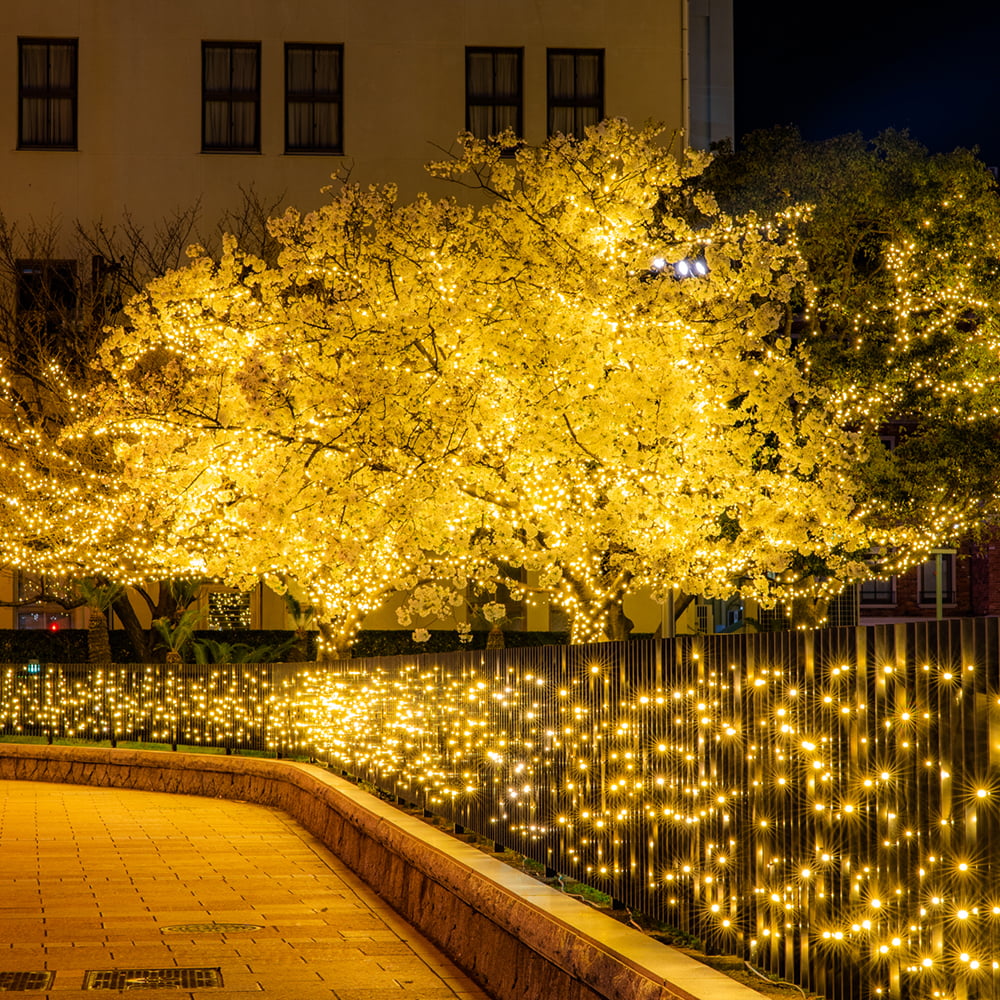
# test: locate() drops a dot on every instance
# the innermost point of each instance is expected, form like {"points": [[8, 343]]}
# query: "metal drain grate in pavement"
{"points": [[209, 928], [151, 979], [11, 981]]}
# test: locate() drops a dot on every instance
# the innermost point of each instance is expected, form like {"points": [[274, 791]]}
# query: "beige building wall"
{"points": [[140, 78]]}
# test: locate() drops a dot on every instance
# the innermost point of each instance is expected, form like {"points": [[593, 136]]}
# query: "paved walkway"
{"points": [[132, 884]]}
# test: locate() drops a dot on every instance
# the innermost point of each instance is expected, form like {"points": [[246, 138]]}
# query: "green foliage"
{"points": [[395, 642], [897, 314], [175, 634], [215, 651]]}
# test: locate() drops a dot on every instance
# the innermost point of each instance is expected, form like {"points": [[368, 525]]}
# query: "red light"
{"points": [[53, 626]]}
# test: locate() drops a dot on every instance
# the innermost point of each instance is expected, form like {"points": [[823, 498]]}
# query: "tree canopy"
{"points": [[415, 394], [898, 313]]}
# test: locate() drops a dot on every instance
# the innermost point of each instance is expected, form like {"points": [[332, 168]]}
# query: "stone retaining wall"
{"points": [[519, 939]]}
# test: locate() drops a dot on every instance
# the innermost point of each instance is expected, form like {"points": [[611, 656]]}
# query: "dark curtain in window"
{"points": [[576, 91], [48, 93], [232, 96], [313, 76]]}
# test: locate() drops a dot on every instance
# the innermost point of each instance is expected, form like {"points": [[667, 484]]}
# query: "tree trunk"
{"points": [[619, 624], [808, 612], [98, 640], [495, 638], [334, 644], [141, 639]]}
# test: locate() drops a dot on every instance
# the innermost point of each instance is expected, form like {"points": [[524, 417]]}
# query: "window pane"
{"points": [[313, 109], [298, 70], [216, 123], [47, 93], [327, 79], [588, 77], [216, 68], [244, 69], [34, 65], [480, 74], [62, 71], [326, 124], [563, 77], [507, 77]]}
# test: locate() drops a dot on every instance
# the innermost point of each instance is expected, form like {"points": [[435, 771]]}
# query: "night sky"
{"points": [[833, 68]]}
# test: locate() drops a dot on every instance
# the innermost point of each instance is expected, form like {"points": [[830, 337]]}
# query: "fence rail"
{"points": [[825, 803], [235, 706]]}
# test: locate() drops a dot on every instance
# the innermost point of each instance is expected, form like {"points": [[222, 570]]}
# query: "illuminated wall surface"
{"points": [[826, 803]]}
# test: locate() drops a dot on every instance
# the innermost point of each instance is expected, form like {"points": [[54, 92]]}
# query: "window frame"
{"points": [[229, 95], [314, 97], [492, 101], [50, 271], [878, 599], [48, 93], [927, 597], [552, 103]]}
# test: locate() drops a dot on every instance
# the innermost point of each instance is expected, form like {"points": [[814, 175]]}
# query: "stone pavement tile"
{"points": [[392, 993], [319, 991], [385, 948], [278, 972]]}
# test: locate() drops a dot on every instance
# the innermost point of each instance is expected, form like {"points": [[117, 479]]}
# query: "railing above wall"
{"points": [[232, 706], [825, 803]]}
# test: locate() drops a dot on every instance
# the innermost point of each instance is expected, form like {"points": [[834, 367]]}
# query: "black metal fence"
{"points": [[234, 706], [826, 803]]}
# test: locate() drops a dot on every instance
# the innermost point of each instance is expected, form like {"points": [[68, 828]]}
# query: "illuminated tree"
{"points": [[67, 517], [899, 314], [418, 393]]}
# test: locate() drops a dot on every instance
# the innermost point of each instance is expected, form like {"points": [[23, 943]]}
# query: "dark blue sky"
{"points": [[834, 68]]}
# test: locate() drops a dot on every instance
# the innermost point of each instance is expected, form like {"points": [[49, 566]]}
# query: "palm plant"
{"points": [[98, 597]]}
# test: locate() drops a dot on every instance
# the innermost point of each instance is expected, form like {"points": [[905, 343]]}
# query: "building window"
{"points": [[49, 621], [230, 87], [928, 579], [46, 286], [46, 297], [228, 610], [575, 90], [314, 108], [494, 91], [47, 93], [878, 593], [40, 597]]}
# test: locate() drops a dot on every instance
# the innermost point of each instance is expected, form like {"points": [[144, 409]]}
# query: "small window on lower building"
{"points": [[229, 610], [50, 621], [928, 579], [46, 286], [878, 593]]}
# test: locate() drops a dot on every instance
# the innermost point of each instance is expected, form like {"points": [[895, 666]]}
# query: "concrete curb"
{"points": [[519, 939]]}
